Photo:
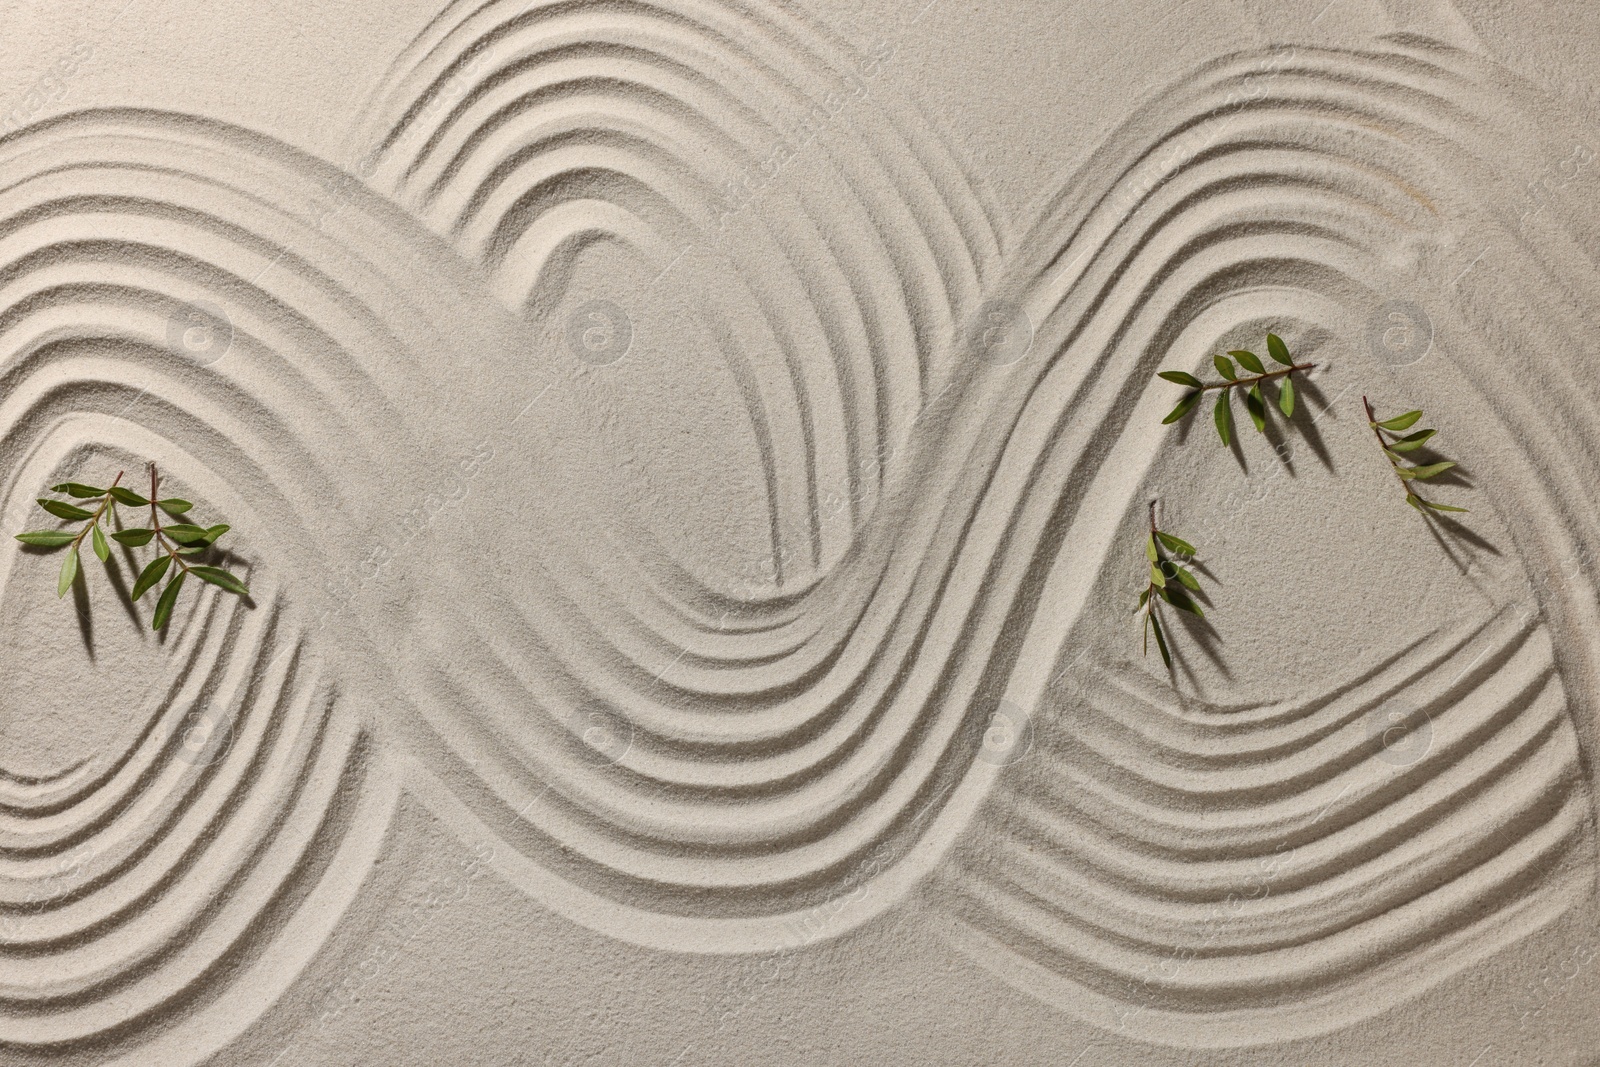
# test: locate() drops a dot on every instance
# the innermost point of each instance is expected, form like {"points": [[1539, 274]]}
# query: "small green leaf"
{"points": [[63, 510], [1414, 500], [1180, 600], [220, 578], [69, 571], [1225, 367], [1257, 407], [77, 489], [1156, 577], [1176, 544], [169, 597], [190, 550], [1441, 507], [1286, 397], [133, 538], [214, 532], [150, 575], [1412, 440], [1161, 641], [1249, 360], [1224, 417], [1189, 400], [173, 506], [1188, 580], [1278, 350], [186, 533], [1400, 422], [1150, 552], [47, 538], [1404, 472], [98, 541], [127, 496], [1181, 377], [1430, 470], [1144, 595]]}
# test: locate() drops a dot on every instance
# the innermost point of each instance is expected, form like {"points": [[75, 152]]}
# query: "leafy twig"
{"points": [[1255, 402], [1168, 581], [172, 542], [1397, 442]]}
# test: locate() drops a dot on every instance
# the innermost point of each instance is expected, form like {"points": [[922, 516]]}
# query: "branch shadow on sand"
{"points": [[1310, 405], [1194, 633], [82, 612], [1459, 542]]}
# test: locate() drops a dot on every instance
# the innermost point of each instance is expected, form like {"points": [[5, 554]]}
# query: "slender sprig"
{"points": [[1232, 379], [1168, 581], [173, 542], [1395, 442]]}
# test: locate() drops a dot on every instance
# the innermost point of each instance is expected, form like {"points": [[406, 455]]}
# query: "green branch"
{"points": [[172, 542]]}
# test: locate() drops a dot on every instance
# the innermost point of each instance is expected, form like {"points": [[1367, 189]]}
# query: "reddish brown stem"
{"points": [[94, 520], [1372, 421], [155, 524], [1257, 378]]}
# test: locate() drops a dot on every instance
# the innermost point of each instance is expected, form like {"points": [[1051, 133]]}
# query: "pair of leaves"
{"points": [[1170, 582], [157, 569], [121, 494], [169, 596]]}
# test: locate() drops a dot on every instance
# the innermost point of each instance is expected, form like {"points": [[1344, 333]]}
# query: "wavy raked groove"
{"points": [[525, 133], [1120, 874], [777, 737], [777, 741], [133, 881]]}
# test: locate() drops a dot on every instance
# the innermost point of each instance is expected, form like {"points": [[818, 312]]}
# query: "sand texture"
{"points": [[691, 460]]}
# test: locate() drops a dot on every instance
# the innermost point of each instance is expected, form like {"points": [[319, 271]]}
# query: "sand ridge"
{"points": [[488, 579]]}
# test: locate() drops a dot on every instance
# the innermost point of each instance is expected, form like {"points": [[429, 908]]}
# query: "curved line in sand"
{"points": [[1134, 874]]}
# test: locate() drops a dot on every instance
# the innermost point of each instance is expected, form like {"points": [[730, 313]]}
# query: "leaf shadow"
{"points": [[1308, 395], [83, 612], [125, 591], [1199, 634], [120, 584], [1236, 442], [39, 550], [1305, 419], [1451, 534], [225, 558]]}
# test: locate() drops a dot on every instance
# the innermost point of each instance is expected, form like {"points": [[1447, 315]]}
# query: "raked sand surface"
{"points": [[691, 460]]}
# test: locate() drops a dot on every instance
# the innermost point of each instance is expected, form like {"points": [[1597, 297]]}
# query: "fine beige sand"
{"points": [[691, 460]]}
